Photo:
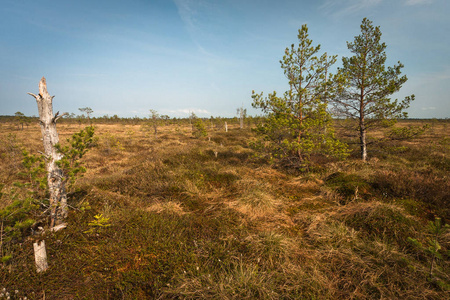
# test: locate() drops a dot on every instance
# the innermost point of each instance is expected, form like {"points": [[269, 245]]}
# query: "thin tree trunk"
{"points": [[362, 125], [56, 184], [362, 141], [299, 135], [241, 118]]}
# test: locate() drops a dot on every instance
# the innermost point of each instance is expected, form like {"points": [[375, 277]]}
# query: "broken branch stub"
{"points": [[56, 184]]}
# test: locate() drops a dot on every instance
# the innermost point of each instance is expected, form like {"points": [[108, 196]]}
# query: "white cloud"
{"points": [[428, 108], [418, 2]]}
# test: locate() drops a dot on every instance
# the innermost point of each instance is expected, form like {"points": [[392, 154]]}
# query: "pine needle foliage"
{"points": [[297, 124], [433, 248], [199, 128], [24, 212], [366, 84], [100, 222], [79, 144]]}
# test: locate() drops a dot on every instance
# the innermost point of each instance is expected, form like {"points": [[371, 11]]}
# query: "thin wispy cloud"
{"points": [[201, 21], [89, 75], [418, 2], [341, 8], [202, 56], [187, 13], [197, 16]]}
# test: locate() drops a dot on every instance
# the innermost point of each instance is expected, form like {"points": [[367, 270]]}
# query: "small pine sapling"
{"points": [[199, 128], [436, 230], [98, 224], [297, 124], [79, 144]]}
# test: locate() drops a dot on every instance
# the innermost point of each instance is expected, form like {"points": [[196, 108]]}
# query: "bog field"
{"points": [[179, 216]]}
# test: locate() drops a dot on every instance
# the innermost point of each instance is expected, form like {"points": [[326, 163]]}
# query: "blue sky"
{"points": [[205, 56]]}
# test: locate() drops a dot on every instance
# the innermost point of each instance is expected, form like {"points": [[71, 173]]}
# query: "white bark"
{"points": [[59, 227], [40, 256], [241, 118], [226, 127], [56, 184]]}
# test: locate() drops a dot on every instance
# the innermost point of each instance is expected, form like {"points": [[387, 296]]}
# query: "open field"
{"points": [[205, 218]]}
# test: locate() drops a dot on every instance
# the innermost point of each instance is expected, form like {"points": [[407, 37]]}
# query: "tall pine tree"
{"points": [[366, 85]]}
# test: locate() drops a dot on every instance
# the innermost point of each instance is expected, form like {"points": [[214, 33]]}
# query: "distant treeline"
{"points": [[137, 120], [162, 120]]}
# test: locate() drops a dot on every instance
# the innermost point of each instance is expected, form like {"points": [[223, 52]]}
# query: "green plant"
{"points": [[88, 112], [79, 144], [17, 219], [199, 128], [436, 230], [407, 133], [350, 186], [6, 259], [34, 172], [98, 224], [365, 85], [20, 118], [29, 197], [298, 124], [111, 144], [154, 121]]}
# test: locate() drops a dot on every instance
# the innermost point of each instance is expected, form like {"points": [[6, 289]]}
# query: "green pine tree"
{"points": [[297, 124], [366, 85]]}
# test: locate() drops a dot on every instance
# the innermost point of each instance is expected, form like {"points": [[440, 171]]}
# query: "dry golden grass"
{"points": [[172, 207], [187, 223]]}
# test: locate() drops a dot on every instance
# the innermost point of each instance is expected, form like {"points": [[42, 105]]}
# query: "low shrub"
{"points": [[424, 186], [377, 220], [349, 186]]}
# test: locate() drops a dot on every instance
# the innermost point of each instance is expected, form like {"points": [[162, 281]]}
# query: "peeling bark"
{"points": [[56, 184]]}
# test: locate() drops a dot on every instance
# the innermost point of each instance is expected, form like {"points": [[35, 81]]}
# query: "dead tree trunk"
{"points": [[56, 184]]}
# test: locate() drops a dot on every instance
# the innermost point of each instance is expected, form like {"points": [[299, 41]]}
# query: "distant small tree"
{"points": [[88, 112], [192, 117], [154, 117], [165, 118], [366, 85], [27, 121], [20, 118], [294, 125], [211, 123], [199, 128]]}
